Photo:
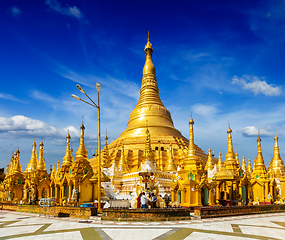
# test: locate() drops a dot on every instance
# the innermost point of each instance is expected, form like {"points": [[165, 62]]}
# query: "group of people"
{"points": [[142, 200]]}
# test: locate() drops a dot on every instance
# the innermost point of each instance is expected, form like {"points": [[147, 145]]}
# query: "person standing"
{"points": [[153, 200], [139, 201], [143, 200]]}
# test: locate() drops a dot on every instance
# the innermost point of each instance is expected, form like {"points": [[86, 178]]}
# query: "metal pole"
{"points": [[99, 160]]}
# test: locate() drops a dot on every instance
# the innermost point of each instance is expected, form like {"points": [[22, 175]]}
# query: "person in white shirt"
{"points": [[143, 200]]}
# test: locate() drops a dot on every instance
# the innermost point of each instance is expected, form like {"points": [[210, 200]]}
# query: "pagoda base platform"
{"points": [[56, 211], [153, 214], [212, 212]]}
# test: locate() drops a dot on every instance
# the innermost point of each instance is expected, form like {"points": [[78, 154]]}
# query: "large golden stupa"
{"points": [[149, 114]]}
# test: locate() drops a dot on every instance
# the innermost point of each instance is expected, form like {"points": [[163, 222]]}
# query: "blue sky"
{"points": [[222, 60]]}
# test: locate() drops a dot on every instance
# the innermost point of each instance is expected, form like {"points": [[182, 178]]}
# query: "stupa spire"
{"points": [[149, 106], [249, 169], [230, 155], [17, 167], [209, 164], [259, 163], [237, 160], [276, 164], [148, 151], [244, 168], [12, 160], [170, 167], [7, 170], [148, 50], [41, 163], [32, 165], [191, 148], [220, 162], [105, 154], [68, 159], [81, 151], [122, 163]]}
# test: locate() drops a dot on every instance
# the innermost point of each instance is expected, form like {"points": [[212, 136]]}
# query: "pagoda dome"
{"points": [[225, 174]]}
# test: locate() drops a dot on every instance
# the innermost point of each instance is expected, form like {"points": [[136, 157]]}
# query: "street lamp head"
{"points": [[80, 88], [74, 96], [98, 86]]}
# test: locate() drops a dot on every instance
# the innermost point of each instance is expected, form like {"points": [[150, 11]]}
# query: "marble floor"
{"points": [[16, 225]]}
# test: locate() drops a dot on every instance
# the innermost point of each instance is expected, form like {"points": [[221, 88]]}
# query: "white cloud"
{"points": [[124, 87], [257, 85], [20, 125], [9, 97], [15, 11], [252, 131], [65, 10], [205, 110]]}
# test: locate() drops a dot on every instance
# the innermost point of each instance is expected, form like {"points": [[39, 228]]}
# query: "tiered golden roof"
{"points": [[225, 174]]}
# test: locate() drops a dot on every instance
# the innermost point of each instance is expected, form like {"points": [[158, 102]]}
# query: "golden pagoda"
{"points": [[230, 161], [259, 176], [149, 115], [276, 167], [12, 186]]}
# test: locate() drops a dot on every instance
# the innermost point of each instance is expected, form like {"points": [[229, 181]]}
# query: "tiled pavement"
{"points": [[15, 225]]}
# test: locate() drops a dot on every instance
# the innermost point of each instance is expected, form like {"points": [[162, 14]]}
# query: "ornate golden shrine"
{"points": [[150, 143]]}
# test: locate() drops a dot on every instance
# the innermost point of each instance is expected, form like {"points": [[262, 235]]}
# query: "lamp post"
{"points": [[93, 104]]}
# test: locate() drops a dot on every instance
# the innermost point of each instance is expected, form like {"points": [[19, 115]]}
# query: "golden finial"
{"points": [[148, 67], [191, 119], [148, 47], [229, 128], [106, 138], [258, 138]]}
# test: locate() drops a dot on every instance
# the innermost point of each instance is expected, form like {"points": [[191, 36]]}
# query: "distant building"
{"points": [[2, 174]]}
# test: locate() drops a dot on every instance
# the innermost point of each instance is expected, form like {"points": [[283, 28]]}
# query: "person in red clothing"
{"points": [[139, 201]]}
